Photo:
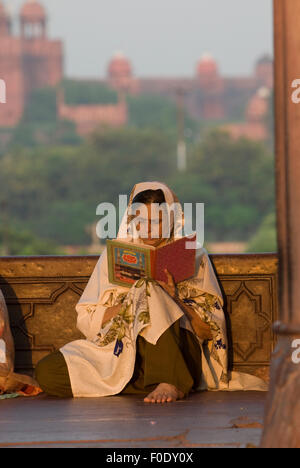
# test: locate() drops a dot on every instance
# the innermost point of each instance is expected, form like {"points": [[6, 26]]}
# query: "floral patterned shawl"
{"points": [[103, 363]]}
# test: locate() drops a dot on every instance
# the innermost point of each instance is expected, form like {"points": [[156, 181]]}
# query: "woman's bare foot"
{"points": [[164, 393]]}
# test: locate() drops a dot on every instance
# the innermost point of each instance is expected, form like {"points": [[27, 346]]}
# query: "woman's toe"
{"points": [[148, 398]]}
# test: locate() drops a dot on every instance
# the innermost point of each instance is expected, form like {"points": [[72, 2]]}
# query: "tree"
{"points": [[40, 126], [235, 180], [54, 191], [82, 92], [157, 112], [264, 240], [23, 242]]}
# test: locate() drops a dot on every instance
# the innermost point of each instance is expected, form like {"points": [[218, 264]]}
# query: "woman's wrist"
{"points": [[201, 328], [111, 312]]}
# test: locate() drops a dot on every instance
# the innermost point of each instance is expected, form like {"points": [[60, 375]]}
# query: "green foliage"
{"points": [[39, 125], [41, 106], [52, 180], [156, 112], [31, 134], [151, 111], [5, 137], [265, 239], [64, 221], [80, 92], [54, 191], [235, 181], [23, 242], [123, 157]]}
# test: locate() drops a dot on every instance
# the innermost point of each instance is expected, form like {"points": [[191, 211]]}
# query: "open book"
{"points": [[127, 262]]}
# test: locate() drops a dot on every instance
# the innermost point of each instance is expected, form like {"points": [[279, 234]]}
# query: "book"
{"points": [[128, 262]]}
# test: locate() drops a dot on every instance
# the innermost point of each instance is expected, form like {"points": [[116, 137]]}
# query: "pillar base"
{"points": [[281, 427]]}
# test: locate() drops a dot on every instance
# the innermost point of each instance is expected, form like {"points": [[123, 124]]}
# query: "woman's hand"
{"points": [[111, 312], [201, 328], [170, 286]]}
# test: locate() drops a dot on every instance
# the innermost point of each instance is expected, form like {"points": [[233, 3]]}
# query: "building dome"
{"points": [[207, 66], [32, 12], [119, 66]]}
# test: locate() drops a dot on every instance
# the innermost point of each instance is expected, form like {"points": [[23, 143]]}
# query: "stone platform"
{"points": [[206, 419], [41, 294]]}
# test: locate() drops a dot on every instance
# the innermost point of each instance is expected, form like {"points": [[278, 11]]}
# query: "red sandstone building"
{"points": [[33, 60], [26, 62]]}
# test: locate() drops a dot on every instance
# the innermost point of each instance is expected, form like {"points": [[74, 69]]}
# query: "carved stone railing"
{"points": [[41, 293]]}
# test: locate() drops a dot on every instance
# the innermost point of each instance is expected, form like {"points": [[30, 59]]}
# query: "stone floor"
{"points": [[208, 419]]}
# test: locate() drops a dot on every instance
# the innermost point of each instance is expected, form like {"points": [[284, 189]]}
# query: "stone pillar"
{"points": [[282, 428]]}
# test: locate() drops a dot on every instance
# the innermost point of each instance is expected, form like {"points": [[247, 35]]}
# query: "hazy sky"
{"points": [[161, 37]]}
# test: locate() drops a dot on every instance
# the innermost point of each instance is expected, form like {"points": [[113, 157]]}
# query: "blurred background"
{"points": [[102, 95]]}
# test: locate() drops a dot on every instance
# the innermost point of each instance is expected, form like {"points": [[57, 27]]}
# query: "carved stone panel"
{"points": [[249, 283], [44, 323], [41, 294]]}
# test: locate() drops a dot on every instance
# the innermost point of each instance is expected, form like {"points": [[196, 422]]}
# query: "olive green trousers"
{"points": [[175, 359]]}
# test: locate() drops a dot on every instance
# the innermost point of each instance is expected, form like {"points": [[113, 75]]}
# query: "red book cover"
{"points": [[128, 262], [177, 259]]}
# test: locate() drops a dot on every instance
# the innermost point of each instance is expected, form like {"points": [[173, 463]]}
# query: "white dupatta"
{"points": [[103, 364]]}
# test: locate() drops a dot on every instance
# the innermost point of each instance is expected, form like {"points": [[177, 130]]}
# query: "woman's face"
{"points": [[151, 220]]}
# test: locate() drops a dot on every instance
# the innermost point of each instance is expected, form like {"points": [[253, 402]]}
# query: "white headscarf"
{"points": [[99, 287], [202, 291]]}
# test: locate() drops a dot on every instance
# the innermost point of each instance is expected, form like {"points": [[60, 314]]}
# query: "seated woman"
{"points": [[154, 338]]}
